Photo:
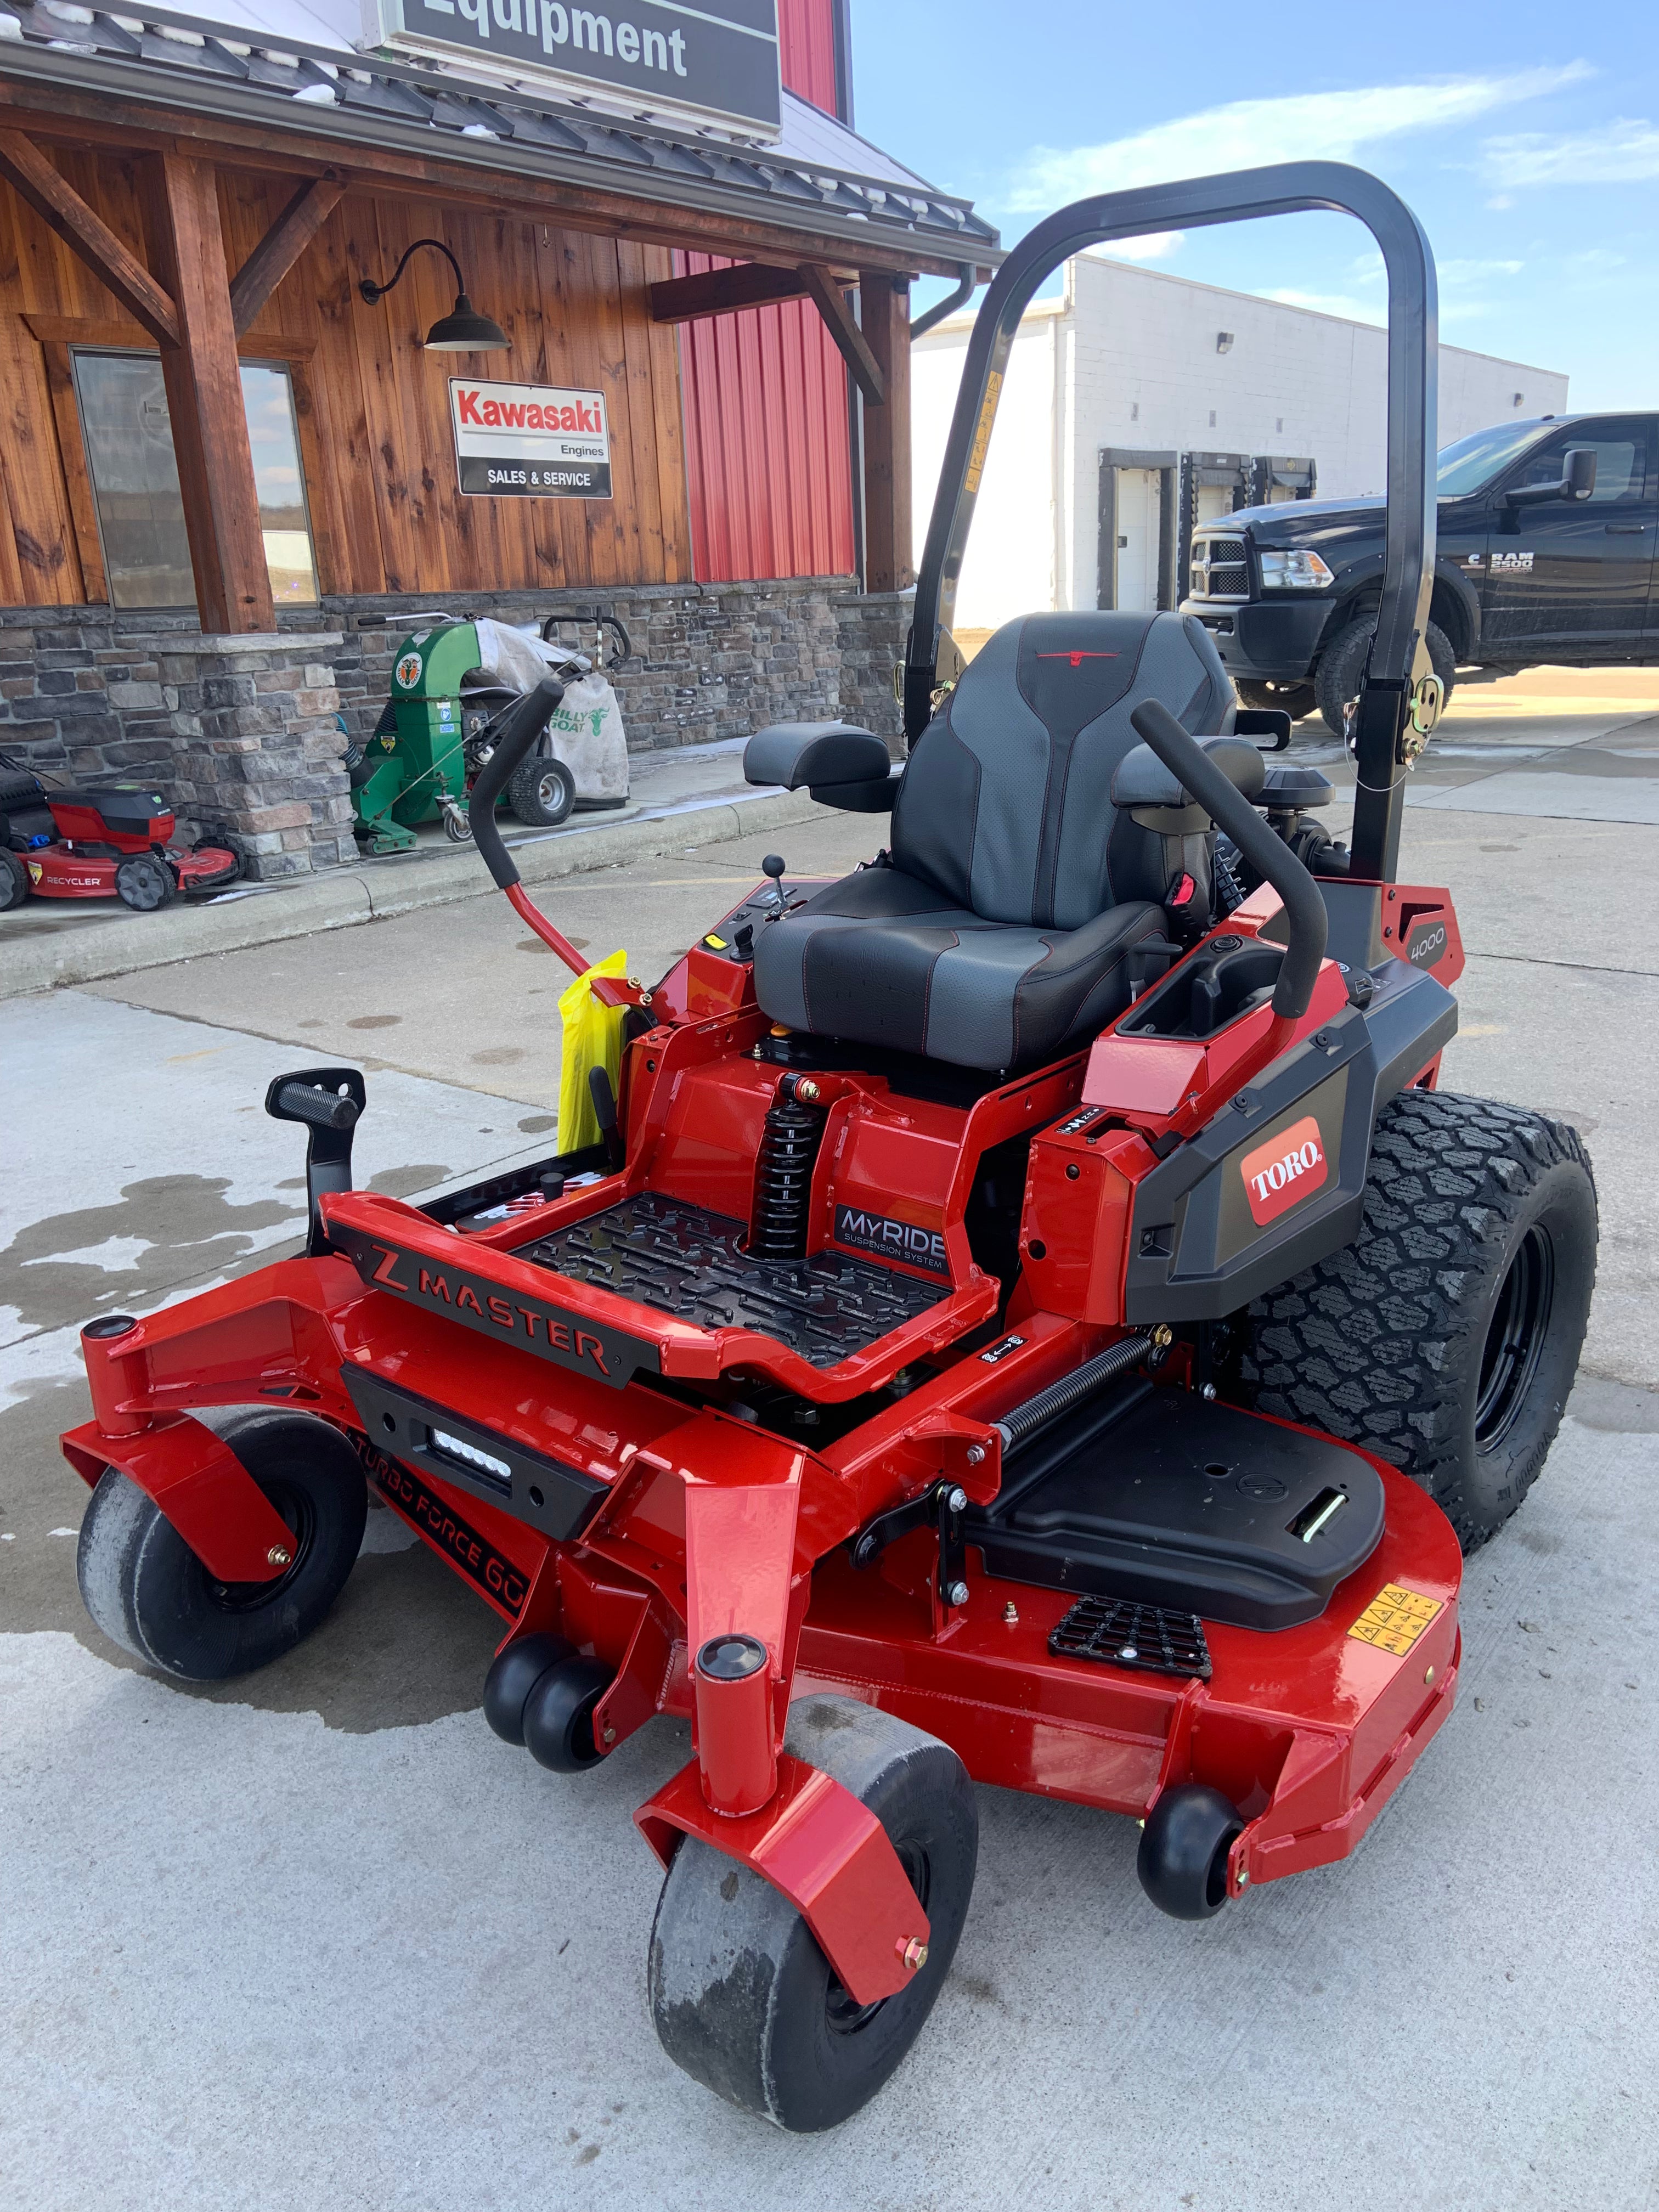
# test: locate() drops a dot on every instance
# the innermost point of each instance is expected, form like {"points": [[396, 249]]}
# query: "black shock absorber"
{"points": [[783, 1174]]}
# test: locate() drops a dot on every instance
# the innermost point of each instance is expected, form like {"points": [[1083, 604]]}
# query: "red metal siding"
{"points": [[806, 39], [768, 456]]}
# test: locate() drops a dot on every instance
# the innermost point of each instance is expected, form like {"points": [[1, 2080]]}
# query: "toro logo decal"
{"points": [[408, 670], [1287, 1168]]}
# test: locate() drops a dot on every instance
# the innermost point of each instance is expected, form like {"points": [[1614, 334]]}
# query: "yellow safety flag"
{"points": [[592, 1038]]}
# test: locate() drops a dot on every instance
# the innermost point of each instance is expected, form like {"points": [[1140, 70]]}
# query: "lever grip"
{"points": [[522, 726], [1267, 851], [323, 1109]]}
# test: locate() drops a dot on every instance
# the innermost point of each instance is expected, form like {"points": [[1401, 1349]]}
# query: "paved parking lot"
{"points": [[315, 1938]]}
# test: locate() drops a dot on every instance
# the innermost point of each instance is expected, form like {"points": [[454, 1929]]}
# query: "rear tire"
{"points": [[14, 880], [741, 1995], [1445, 1339], [1336, 679], [148, 1592]]}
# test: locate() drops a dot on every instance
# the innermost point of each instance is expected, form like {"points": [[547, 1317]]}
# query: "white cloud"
{"points": [[1328, 126], [1474, 272], [1156, 245], [1330, 303], [1623, 152]]}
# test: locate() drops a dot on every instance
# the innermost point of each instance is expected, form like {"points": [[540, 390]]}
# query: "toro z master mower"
{"points": [[1030, 1317]]}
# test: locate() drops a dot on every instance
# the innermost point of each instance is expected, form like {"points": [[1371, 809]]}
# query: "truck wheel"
{"points": [[1297, 700], [1445, 1339], [148, 1592], [14, 880], [542, 792], [742, 1996], [1336, 679]]}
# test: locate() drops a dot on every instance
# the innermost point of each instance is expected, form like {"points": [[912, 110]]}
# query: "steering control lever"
{"points": [[329, 1102], [1264, 850], [521, 727]]}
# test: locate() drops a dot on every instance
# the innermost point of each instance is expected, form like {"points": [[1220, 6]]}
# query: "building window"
{"points": [[128, 436]]}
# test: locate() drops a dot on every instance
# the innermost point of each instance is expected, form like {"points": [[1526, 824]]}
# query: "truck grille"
{"points": [[1219, 571]]}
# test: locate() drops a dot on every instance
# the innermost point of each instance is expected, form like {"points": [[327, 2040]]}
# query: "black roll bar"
{"points": [[1246, 195]]}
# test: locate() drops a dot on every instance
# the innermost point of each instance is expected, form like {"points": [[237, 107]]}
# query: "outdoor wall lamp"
{"points": [[464, 329]]}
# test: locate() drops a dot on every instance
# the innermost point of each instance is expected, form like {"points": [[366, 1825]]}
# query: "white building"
{"points": [[1138, 402]]}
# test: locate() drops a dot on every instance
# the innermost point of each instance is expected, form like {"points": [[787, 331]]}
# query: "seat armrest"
{"points": [[874, 797], [1142, 780], [815, 753]]}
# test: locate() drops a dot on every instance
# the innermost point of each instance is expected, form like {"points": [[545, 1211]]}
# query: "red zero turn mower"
{"points": [[1031, 1318], [112, 842]]}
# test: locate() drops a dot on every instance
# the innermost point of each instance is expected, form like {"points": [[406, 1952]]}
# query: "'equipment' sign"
{"points": [[718, 58], [530, 440]]}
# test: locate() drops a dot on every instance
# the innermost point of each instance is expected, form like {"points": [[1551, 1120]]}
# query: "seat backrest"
{"points": [[1006, 804]]}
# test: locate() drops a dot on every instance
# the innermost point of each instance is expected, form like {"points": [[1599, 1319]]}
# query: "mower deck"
{"points": [[1307, 1731]]}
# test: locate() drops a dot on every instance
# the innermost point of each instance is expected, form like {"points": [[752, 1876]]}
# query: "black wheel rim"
{"points": [[300, 1514], [1515, 1338], [845, 2014]]}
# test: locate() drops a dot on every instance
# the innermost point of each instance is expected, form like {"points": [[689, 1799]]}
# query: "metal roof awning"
{"points": [[332, 101]]}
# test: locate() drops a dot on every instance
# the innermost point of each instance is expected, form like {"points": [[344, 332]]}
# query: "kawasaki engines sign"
{"points": [[719, 60], [530, 440]]}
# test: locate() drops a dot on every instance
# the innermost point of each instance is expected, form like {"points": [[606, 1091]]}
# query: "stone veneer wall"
{"points": [[241, 733]]}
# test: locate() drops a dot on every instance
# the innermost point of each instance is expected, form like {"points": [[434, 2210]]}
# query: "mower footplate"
{"points": [[1155, 1495], [684, 1260]]}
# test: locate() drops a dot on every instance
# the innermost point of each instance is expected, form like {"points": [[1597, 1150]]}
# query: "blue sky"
{"points": [[1526, 138]]}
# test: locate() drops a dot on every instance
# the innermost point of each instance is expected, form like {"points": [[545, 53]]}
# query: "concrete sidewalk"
{"points": [[45, 944]]}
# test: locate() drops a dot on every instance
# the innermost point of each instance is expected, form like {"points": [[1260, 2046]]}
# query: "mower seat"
{"points": [[1001, 929]]}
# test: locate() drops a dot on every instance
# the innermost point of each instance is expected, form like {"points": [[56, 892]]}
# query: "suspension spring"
{"points": [[783, 1177]]}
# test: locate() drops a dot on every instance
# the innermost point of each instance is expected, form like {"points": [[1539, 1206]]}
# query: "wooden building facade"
{"points": [[186, 219]]}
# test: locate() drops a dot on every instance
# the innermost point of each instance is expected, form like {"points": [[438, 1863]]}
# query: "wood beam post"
{"points": [[868, 368], [281, 247], [884, 304], [204, 398], [723, 291], [61, 208]]}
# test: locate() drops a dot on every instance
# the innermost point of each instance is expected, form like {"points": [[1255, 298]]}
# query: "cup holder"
{"points": [[1207, 993]]}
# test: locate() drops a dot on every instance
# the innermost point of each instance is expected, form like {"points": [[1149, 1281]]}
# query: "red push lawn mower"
{"points": [[110, 841], [1030, 1317]]}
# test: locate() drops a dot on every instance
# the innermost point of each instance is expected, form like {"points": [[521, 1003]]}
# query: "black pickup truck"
{"points": [[1545, 553]]}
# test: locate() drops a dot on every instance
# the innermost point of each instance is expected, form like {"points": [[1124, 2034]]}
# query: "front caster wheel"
{"points": [[148, 1592], [1182, 1859], [741, 1995], [558, 1714], [513, 1674]]}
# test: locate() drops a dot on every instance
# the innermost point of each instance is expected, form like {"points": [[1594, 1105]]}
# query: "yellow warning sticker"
{"points": [[1394, 1618], [988, 415]]}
